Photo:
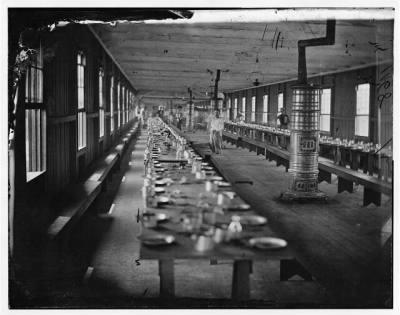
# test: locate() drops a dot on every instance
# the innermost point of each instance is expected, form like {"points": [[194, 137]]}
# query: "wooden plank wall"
{"points": [[60, 98], [343, 100]]}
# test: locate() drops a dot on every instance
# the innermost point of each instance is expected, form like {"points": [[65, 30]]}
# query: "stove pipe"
{"points": [[304, 134]]}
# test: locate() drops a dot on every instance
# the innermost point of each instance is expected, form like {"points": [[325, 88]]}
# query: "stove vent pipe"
{"points": [[329, 39]]}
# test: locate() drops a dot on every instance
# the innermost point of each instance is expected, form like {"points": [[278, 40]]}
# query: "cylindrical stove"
{"points": [[304, 137]]}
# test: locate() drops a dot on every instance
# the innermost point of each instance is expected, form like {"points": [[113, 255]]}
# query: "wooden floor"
{"points": [[343, 244]]}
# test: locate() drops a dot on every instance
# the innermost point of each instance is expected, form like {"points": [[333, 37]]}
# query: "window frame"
{"points": [[81, 108], [253, 108], [281, 96], [112, 90], [265, 108], [101, 104], [362, 115], [228, 108], [243, 108], [235, 108], [118, 104], [328, 113], [35, 118]]}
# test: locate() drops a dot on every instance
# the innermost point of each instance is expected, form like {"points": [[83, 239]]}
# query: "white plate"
{"points": [[160, 183], [158, 240], [208, 168], [159, 190], [240, 207], [161, 217], [267, 242], [215, 178], [223, 184], [253, 220], [162, 199]]}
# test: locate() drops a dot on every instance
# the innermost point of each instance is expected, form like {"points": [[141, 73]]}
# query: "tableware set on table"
{"points": [[193, 203]]}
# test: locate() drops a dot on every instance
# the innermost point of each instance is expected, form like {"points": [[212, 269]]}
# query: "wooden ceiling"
{"points": [[163, 60]]}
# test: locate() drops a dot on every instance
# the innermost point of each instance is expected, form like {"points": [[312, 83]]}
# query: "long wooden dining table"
{"points": [[184, 192]]}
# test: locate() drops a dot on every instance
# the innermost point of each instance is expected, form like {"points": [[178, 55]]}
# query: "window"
{"points": [[126, 104], [265, 108], [81, 64], [123, 105], [101, 105], [228, 108], [235, 108], [325, 121], [362, 110], [243, 110], [253, 108], [111, 105], [35, 118], [280, 101], [118, 105]]}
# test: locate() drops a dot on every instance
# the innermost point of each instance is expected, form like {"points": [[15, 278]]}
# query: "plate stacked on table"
{"points": [[252, 220], [162, 200], [223, 184], [159, 190], [266, 243], [159, 183], [162, 217], [239, 207], [158, 239]]}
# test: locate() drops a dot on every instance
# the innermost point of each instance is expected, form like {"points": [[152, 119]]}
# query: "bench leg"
{"points": [[371, 196], [290, 268], [278, 161], [241, 279], [167, 281], [344, 184], [324, 175]]}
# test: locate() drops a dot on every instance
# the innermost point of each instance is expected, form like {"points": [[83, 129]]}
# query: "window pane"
{"points": [[326, 101], [81, 130], [325, 123], [28, 140], [280, 101], [361, 128], [265, 109], [235, 108], [362, 99]]}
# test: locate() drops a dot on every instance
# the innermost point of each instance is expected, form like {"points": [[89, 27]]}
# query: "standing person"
{"points": [[179, 118], [283, 122], [217, 126], [209, 119], [240, 118], [283, 119], [140, 114]]}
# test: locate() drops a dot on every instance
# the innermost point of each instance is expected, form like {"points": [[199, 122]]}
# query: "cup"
{"points": [[210, 186], [204, 243], [219, 235]]}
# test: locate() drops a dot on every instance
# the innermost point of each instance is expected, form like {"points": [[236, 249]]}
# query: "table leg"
{"points": [[241, 280], [166, 273]]}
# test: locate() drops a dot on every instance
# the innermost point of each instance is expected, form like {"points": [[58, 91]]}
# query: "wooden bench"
{"points": [[79, 197], [104, 168], [373, 187], [75, 201], [271, 153]]}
